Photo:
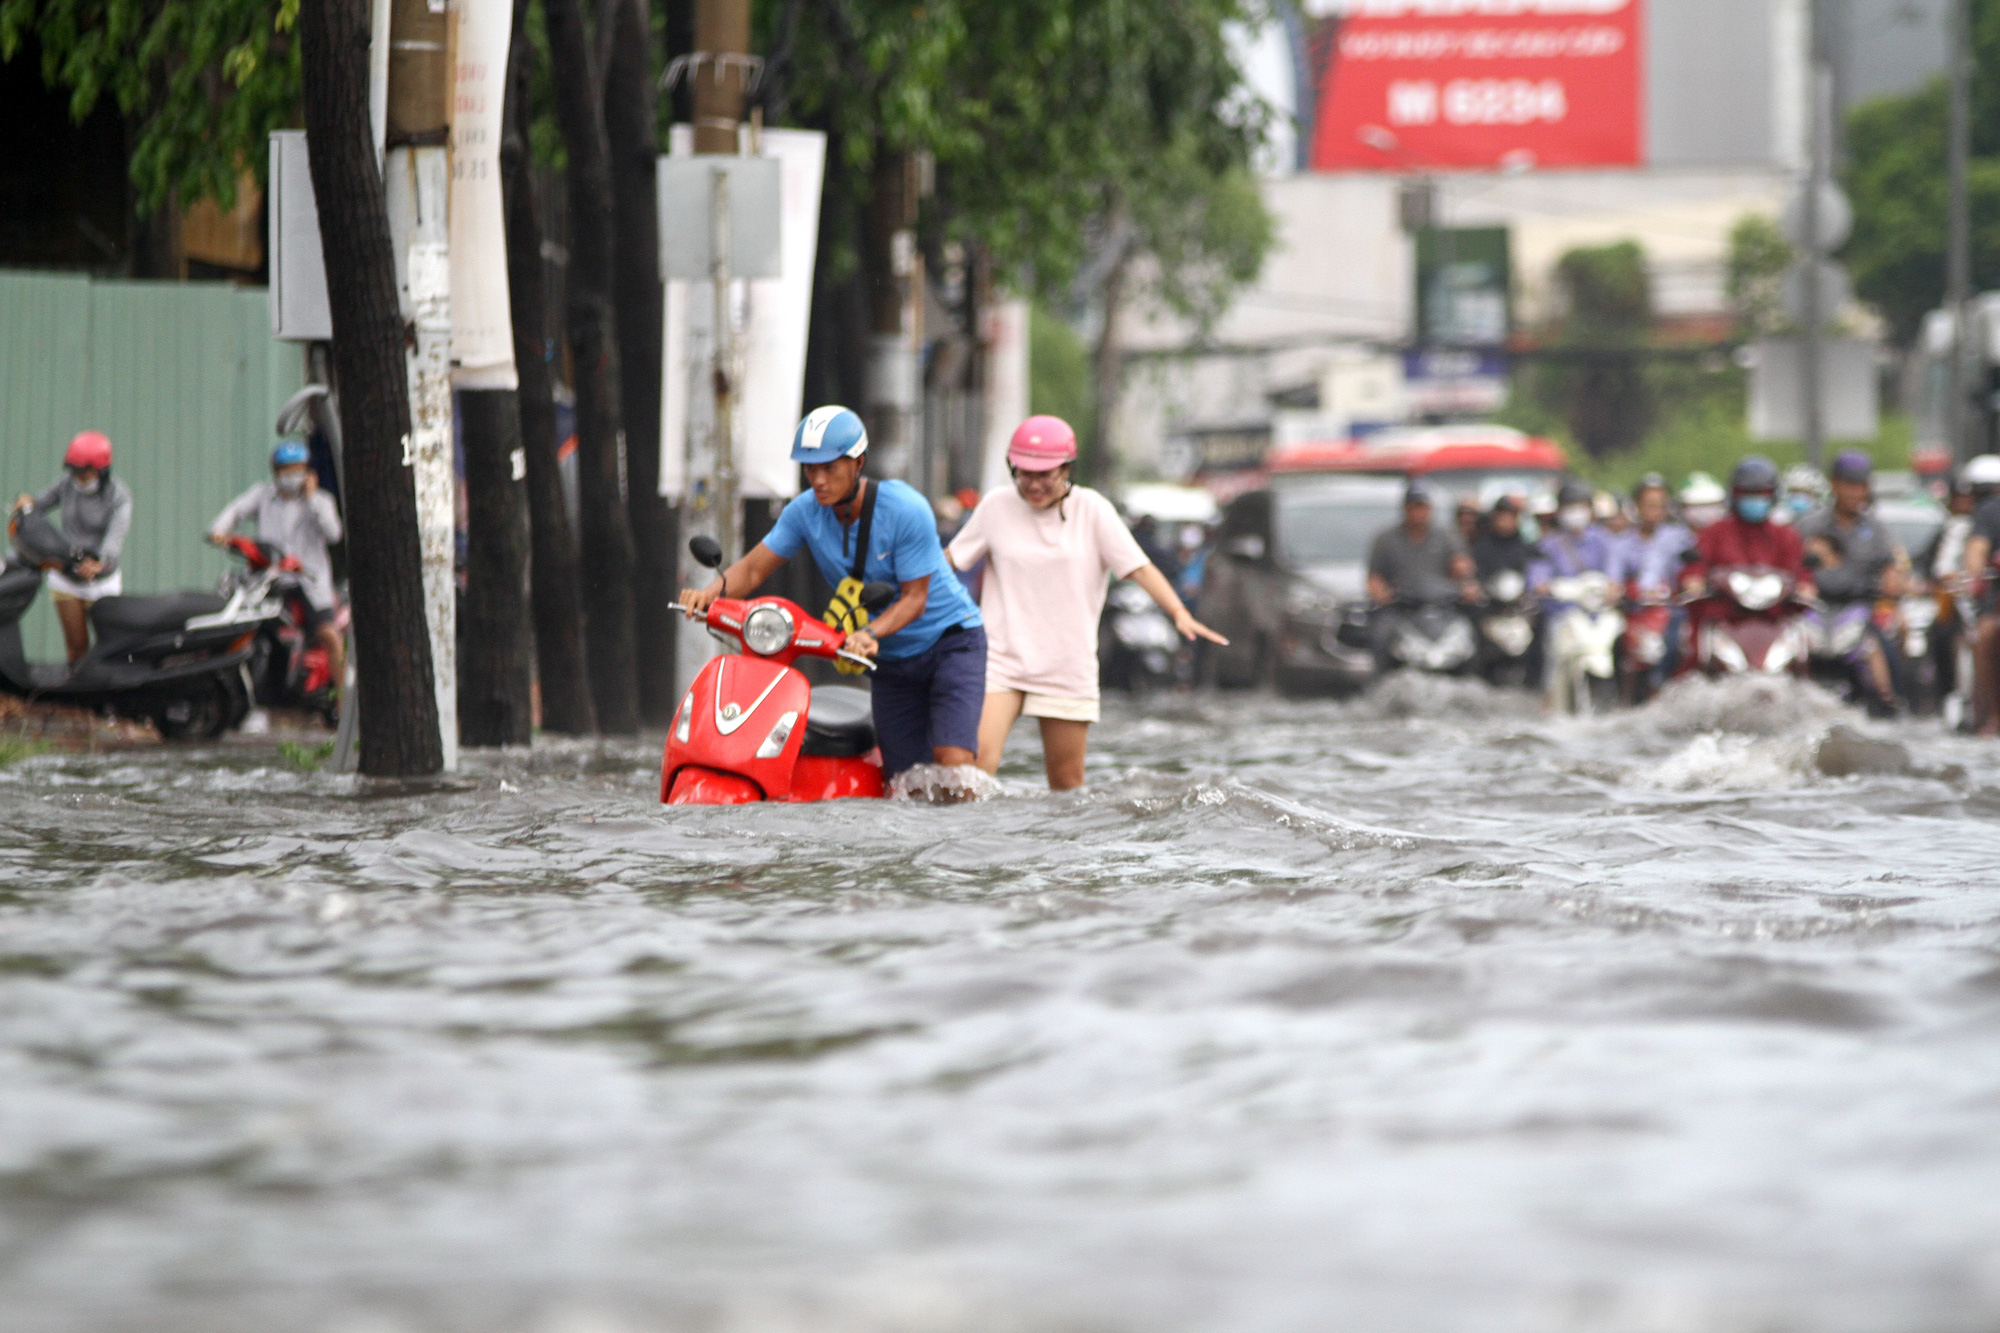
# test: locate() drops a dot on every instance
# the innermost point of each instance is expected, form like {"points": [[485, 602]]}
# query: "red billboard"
{"points": [[1419, 85]]}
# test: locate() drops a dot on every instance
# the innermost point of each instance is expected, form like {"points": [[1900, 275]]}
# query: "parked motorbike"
{"points": [[1426, 636], [288, 667], [176, 661], [752, 728], [1750, 619], [1506, 630], [1137, 645]]}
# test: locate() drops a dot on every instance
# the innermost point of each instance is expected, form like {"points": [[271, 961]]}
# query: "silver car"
{"points": [[1289, 583]]}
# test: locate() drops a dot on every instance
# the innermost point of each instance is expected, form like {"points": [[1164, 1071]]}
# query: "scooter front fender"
{"points": [[695, 785]]}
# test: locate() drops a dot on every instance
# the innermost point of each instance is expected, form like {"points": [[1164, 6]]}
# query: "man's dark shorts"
{"points": [[316, 619], [930, 700]]}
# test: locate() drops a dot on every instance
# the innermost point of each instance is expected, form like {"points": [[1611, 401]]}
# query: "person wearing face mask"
{"points": [[1575, 544], [291, 513], [96, 513], [1746, 535]]}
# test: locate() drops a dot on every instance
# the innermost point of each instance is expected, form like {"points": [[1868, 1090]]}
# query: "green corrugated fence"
{"points": [[183, 376]]}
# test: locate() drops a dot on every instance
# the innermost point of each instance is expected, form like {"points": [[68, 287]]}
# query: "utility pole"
{"points": [[1958, 237], [721, 81], [1819, 131], [416, 180], [392, 652], [895, 285]]}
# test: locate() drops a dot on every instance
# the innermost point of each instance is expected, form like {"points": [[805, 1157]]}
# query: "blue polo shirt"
{"points": [[903, 545]]}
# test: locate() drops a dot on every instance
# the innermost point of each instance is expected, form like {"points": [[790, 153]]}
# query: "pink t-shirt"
{"points": [[1045, 584]]}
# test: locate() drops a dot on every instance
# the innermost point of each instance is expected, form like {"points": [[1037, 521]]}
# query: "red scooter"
{"points": [[1750, 620], [752, 728], [289, 668]]}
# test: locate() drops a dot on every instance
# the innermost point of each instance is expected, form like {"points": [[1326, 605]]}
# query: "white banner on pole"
{"points": [[482, 321], [1005, 333], [772, 319]]}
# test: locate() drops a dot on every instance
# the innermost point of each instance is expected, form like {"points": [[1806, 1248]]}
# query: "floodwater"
{"points": [[1415, 1012]]}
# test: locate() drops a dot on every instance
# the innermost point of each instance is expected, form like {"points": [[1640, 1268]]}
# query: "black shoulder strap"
{"points": [[861, 536]]}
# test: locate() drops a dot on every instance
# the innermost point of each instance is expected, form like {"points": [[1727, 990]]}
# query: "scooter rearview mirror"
{"points": [[706, 551], [876, 597]]}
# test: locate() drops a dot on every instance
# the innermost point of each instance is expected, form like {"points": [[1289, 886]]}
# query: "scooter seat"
{"points": [[840, 724], [122, 619]]}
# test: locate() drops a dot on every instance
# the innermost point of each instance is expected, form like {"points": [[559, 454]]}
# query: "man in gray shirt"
{"points": [[1859, 558], [96, 513], [290, 512], [1855, 560], [1416, 561]]}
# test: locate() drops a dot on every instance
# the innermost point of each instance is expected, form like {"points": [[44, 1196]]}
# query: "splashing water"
{"points": [[944, 784]]}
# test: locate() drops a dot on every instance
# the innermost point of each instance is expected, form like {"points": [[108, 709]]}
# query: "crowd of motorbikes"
{"points": [[1588, 642]]}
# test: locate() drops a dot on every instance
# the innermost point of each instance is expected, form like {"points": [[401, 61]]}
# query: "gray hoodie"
{"points": [[298, 525], [92, 521]]}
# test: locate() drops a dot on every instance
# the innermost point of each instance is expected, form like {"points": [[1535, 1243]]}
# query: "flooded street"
{"points": [[1414, 1012]]}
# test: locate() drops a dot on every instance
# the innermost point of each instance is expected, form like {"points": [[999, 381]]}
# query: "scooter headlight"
{"points": [[767, 630], [1512, 635], [686, 719]]}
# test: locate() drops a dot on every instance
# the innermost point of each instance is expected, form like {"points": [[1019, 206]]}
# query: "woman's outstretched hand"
{"points": [[1192, 629]]}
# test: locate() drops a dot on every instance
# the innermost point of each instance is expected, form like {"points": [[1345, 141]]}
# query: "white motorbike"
{"points": [[1581, 674]]}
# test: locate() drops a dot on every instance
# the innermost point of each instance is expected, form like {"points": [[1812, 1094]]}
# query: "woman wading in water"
{"points": [[1050, 548]]}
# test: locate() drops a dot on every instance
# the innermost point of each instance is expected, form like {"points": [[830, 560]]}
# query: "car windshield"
{"points": [[1488, 484], [1913, 527], [1326, 530]]}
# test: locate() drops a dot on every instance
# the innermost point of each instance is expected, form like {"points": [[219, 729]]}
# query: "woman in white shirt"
{"points": [[1050, 549]]}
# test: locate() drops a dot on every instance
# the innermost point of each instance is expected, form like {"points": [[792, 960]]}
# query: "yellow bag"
{"points": [[844, 612]]}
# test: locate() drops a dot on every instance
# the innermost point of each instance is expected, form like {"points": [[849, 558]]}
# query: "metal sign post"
{"points": [[725, 363]]}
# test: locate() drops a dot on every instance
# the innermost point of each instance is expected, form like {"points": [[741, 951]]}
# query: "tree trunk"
{"points": [[559, 652], [1109, 369], [494, 658], [628, 126], [385, 562], [593, 345]]}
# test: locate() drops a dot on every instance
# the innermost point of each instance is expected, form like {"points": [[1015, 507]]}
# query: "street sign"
{"points": [[1835, 291], [755, 212], [1849, 405], [1836, 218]]}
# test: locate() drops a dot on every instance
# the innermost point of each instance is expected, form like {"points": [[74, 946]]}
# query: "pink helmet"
{"points": [[1041, 444], [89, 449]]}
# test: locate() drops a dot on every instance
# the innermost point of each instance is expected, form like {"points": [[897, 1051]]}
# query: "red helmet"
{"points": [[89, 449]]}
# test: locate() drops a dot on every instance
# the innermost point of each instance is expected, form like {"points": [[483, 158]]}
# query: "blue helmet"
{"points": [[828, 433], [289, 453]]}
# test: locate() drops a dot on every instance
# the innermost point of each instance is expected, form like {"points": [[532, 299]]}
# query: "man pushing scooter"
{"points": [[929, 645]]}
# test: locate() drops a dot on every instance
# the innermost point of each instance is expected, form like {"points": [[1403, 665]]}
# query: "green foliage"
{"points": [[203, 81], [13, 749], [1601, 390], [1702, 426], [1055, 125], [1606, 294], [1759, 254], [1896, 179], [1059, 378], [303, 757]]}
